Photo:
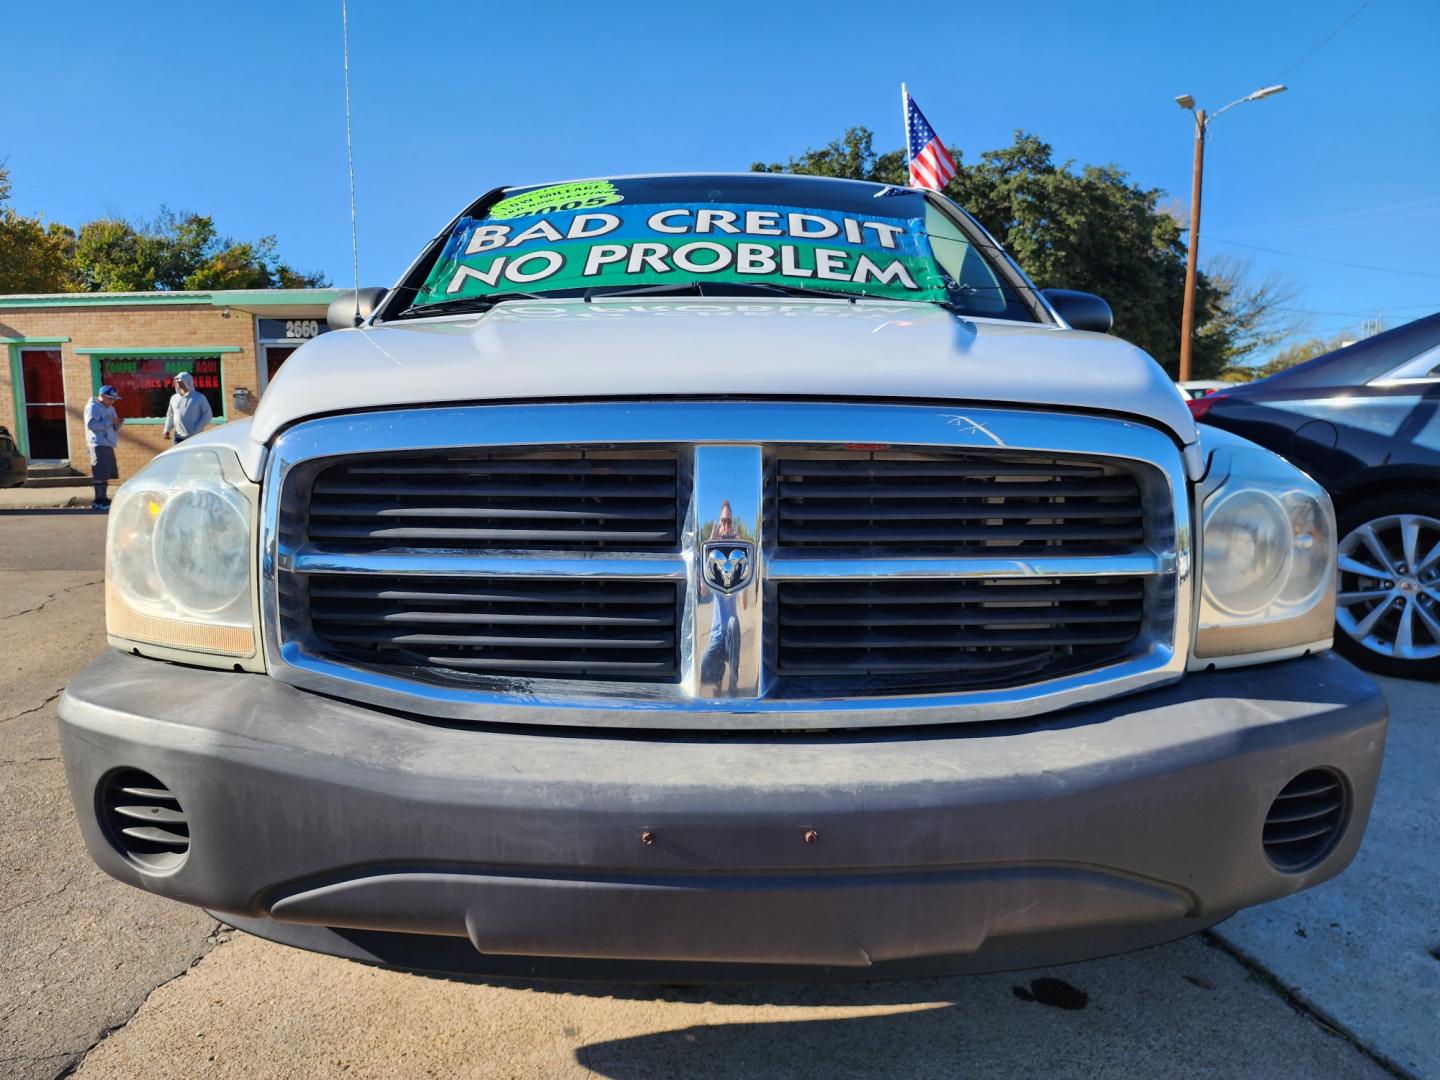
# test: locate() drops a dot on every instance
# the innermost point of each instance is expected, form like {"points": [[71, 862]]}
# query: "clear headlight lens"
{"points": [[1268, 556], [180, 553], [1249, 547]]}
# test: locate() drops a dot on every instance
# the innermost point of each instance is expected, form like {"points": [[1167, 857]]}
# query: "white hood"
{"points": [[696, 348]]}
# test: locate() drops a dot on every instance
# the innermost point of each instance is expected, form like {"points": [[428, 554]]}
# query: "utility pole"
{"points": [[1202, 126], [1192, 254]]}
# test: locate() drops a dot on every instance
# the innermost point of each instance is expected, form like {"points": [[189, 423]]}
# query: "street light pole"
{"points": [[1192, 255]]}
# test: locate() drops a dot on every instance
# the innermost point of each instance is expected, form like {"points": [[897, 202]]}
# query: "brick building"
{"points": [[63, 346]]}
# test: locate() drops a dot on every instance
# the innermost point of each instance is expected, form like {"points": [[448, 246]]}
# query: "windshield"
{"points": [[716, 236]]}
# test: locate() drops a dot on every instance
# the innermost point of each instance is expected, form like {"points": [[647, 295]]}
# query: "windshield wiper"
{"points": [[463, 304], [712, 288], [675, 288]]}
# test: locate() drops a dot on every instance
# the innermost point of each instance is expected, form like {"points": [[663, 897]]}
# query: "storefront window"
{"points": [[146, 383]]}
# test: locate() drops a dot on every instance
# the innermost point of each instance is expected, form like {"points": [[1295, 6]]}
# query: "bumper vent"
{"points": [[144, 820], [871, 502], [571, 500], [882, 636], [448, 629], [1305, 820]]}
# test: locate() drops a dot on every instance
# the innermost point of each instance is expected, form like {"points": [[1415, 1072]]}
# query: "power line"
{"points": [[1321, 259], [1429, 205], [1362, 314], [1325, 40]]}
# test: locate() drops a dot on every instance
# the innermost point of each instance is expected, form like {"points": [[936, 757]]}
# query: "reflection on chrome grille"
{"points": [[876, 636], [865, 500], [569, 499], [439, 628]]}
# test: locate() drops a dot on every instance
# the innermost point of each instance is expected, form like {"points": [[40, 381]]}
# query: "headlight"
{"points": [[1267, 579], [180, 555]]}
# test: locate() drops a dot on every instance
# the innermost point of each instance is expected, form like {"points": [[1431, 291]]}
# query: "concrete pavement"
{"points": [[123, 984], [79, 955]]}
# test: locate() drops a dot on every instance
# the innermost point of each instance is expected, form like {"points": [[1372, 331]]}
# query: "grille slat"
{"points": [[163, 815], [379, 509], [551, 667], [929, 534], [448, 627], [494, 592], [341, 615], [918, 617], [818, 510], [144, 820], [959, 635], [867, 501], [554, 499], [529, 641], [446, 535], [1305, 820], [537, 465]]}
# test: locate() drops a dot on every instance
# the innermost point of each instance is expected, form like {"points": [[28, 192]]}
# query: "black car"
{"points": [[13, 467], [1364, 421]]}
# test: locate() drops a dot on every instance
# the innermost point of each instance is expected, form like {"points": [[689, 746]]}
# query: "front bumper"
{"points": [[551, 852]]}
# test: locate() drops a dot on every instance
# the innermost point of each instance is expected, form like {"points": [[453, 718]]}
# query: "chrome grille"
{"points": [[879, 636], [865, 501], [442, 629], [561, 499], [912, 570]]}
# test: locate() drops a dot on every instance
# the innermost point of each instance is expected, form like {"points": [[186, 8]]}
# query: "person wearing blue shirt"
{"points": [[102, 435]]}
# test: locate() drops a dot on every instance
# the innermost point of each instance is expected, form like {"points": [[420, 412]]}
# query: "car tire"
{"points": [[1372, 609]]}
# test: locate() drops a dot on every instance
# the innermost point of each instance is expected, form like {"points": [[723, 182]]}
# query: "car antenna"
{"points": [[350, 159]]}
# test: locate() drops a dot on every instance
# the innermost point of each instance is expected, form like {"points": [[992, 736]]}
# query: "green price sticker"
{"points": [[584, 195]]}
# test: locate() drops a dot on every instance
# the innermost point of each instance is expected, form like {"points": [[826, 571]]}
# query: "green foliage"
{"points": [[34, 257], [178, 251], [175, 251], [1291, 355], [1091, 229]]}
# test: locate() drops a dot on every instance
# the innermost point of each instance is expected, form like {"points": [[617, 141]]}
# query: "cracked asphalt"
{"points": [[101, 980]]}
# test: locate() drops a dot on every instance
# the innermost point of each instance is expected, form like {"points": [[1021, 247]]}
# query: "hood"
{"points": [[185, 378], [696, 348]]}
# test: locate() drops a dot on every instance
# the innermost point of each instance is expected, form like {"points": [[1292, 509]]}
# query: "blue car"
{"points": [[1364, 421]]}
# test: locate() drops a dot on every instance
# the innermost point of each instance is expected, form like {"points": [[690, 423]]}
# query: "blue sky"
{"points": [[236, 110]]}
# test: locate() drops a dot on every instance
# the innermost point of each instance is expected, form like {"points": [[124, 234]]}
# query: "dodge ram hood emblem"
{"points": [[728, 564]]}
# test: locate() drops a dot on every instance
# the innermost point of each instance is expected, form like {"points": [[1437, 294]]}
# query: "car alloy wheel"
{"points": [[1388, 588]]}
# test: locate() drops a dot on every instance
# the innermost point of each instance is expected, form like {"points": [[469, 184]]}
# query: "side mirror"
{"points": [[1082, 310], [341, 314]]}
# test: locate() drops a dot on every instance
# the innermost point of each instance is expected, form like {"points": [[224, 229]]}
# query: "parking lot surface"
{"points": [[108, 981]]}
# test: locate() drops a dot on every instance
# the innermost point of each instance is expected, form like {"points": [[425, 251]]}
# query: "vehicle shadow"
{"points": [[1182, 1009], [51, 511]]}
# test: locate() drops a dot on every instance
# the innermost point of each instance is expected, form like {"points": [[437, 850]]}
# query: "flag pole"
{"points": [[905, 123]]}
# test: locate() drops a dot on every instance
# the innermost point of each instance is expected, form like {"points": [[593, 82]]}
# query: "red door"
{"points": [[275, 355], [44, 404]]}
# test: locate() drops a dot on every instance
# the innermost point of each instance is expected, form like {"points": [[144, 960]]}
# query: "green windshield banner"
{"points": [[556, 239]]}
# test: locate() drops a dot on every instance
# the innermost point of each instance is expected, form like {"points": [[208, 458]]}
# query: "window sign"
{"points": [[291, 330], [147, 382]]}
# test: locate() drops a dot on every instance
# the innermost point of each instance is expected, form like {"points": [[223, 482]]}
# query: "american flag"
{"points": [[930, 164]]}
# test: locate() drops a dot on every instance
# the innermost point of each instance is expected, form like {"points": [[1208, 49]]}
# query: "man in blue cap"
{"points": [[102, 435]]}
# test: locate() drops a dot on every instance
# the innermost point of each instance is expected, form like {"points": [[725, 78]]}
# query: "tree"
{"points": [[1246, 317], [1091, 229], [1291, 355], [34, 257], [178, 251]]}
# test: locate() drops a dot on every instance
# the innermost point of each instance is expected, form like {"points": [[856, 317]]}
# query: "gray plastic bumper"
{"points": [[553, 852]]}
